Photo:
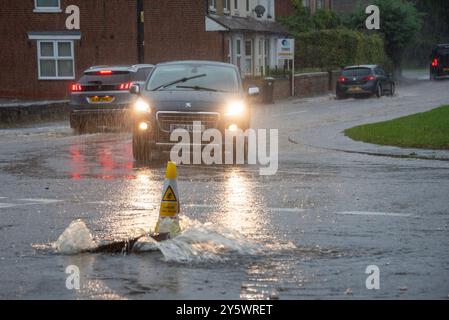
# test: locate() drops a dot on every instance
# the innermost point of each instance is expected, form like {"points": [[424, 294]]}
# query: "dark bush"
{"points": [[336, 48]]}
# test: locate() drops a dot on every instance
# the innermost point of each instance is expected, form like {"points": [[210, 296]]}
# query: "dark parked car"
{"points": [[439, 66], [364, 80], [101, 97], [178, 93]]}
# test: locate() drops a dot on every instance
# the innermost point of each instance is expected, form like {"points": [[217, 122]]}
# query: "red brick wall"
{"points": [[310, 84], [175, 30], [283, 8], [108, 36]]}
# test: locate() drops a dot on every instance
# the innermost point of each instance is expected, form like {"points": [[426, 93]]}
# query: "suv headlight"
{"points": [[235, 108], [141, 106]]}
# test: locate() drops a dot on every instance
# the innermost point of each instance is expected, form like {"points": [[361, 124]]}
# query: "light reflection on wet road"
{"points": [[316, 225]]}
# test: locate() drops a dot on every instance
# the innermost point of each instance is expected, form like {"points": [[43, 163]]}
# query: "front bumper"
{"points": [[159, 126]]}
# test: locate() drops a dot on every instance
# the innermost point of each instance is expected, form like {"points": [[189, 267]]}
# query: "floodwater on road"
{"points": [[310, 231]]}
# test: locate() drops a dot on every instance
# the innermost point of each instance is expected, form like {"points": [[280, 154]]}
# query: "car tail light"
{"points": [[76, 87], [105, 72], [369, 78], [435, 62], [125, 86], [342, 79]]}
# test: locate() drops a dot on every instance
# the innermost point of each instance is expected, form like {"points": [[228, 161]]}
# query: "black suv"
{"points": [[179, 93], [364, 80], [439, 65], [101, 97]]}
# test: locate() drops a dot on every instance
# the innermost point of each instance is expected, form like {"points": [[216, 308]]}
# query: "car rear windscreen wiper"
{"points": [[185, 79], [197, 88]]}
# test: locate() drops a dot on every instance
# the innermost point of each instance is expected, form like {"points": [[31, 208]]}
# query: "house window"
{"points": [[320, 4], [213, 5], [229, 51], [248, 57], [306, 3], [47, 6], [247, 6], [55, 60], [238, 53], [226, 5]]}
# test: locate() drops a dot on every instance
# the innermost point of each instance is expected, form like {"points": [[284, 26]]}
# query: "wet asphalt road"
{"points": [[309, 231]]}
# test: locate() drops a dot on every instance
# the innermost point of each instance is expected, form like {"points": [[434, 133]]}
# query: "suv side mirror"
{"points": [[253, 91], [135, 89]]}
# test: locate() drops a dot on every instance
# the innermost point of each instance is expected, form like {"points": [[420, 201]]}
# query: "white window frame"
{"points": [[238, 53], [55, 57], [249, 69], [226, 6], [213, 5], [39, 9], [236, 8]]}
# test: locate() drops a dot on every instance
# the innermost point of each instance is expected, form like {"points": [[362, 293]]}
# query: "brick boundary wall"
{"points": [[306, 85], [27, 113]]}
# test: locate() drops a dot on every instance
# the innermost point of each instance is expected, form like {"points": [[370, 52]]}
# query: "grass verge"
{"points": [[428, 130]]}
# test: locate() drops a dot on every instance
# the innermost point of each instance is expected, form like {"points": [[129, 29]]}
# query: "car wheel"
{"points": [[392, 89], [379, 91], [341, 96], [77, 125], [141, 149]]}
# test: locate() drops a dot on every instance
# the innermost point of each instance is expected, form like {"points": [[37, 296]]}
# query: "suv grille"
{"points": [[166, 118]]}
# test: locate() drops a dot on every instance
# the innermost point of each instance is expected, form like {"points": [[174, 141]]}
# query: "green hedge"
{"points": [[330, 49]]}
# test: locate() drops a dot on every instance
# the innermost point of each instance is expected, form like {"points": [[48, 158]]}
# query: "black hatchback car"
{"points": [[364, 80], [101, 97], [177, 94], [439, 66]]}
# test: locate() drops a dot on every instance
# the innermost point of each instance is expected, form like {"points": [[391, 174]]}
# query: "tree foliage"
{"points": [[400, 21], [332, 49], [303, 21]]}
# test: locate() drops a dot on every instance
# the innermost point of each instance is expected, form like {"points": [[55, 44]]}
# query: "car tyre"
{"points": [[141, 149], [392, 89], [379, 91], [77, 125], [341, 96]]}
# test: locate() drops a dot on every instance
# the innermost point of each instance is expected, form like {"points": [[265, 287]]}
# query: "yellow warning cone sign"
{"points": [[168, 222]]}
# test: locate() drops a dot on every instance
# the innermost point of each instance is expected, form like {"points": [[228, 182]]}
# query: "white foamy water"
{"points": [[200, 242], [76, 238], [197, 242]]}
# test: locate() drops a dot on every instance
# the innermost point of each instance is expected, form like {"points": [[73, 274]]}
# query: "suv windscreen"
{"points": [[142, 74], [356, 72], [217, 78]]}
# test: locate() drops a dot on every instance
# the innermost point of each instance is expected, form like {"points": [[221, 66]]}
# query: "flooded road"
{"points": [[310, 231]]}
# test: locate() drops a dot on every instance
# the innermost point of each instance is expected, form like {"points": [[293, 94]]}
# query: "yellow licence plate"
{"points": [[355, 89], [97, 99]]}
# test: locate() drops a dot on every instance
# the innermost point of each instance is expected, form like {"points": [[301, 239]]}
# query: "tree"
{"points": [[299, 21], [399, 23], [435, 29], [303, 21]]}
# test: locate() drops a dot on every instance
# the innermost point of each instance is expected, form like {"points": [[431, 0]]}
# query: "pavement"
{"points": [[308, 232]]}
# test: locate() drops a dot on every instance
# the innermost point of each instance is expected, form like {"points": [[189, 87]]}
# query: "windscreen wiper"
{"points": [[197, 88], [185, 79]]}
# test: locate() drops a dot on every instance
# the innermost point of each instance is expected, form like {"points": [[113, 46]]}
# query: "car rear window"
{"points": [[114, 78], [356, 72], [443, 51]]}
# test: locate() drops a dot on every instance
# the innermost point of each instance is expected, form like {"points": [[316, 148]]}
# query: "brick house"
{"points": [[285, 7], [250, 31], [40, 57]]}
